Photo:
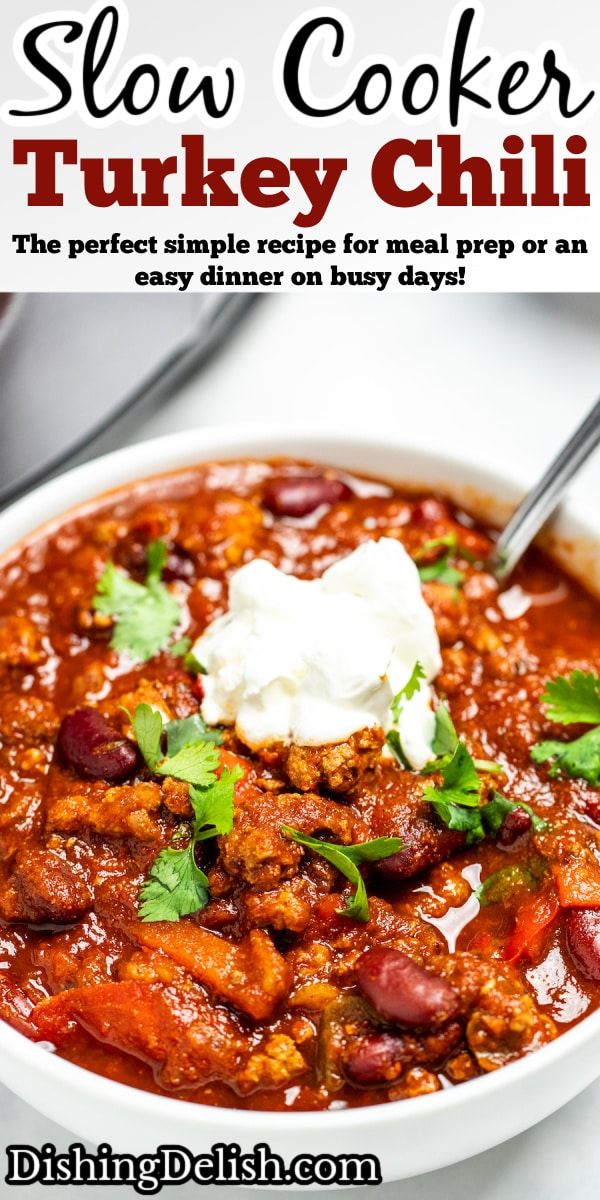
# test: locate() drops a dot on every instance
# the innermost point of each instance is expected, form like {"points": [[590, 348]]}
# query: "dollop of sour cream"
{"points": [[314, 661]]}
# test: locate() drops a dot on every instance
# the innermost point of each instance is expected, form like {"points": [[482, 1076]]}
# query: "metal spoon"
{"points": [[541, 501]]}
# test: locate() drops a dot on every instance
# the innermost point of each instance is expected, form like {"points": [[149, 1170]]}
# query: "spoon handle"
{"points": [[540, 502]]}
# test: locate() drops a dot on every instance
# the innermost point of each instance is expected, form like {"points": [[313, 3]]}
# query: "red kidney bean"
{"points": [[378, 1058], [430, 511], [514, 826], [132, 557], [424, 844], [583, 940], [179, 566], [400, 990], [300, 495], [132, 554], [92, 747], [592, 809]]}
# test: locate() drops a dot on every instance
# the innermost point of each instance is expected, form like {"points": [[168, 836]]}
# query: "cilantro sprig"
{"points": [[145, 614], [575, 700], [445, 737], [580, 758], [187, 750], [411, 687], [570, 701], [445, 743], [459, 802], [176, 886], [442, 569], [499, 806], [213, 805], [347, 859], [394, 742]]}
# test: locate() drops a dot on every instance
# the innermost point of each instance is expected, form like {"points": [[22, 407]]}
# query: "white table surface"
{"points": [[467, 370]]}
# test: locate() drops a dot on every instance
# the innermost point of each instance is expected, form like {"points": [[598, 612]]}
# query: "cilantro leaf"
{"points": [[193, 764], [445, 741], [347, 859], [461, 780], [411, 687], [116, 592], [393, 740], [145, 614], [181, 648], [460, 808], [175, 887], [574, 700], [190, 756], [461, 783], [156, 557], [462, 820], [193, 665], [496, 810], [190, 729], [443, 572], [580, 759], [487, 767], [449, 540], [458, 802], [148, 728], [440, 570], [445, 738], [213, 805]]}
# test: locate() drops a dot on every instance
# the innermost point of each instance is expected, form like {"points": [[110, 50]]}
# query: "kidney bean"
{"points": [[400, 990], [378, 1058], [430, 511], [179, 566], [424, 843], [92, 747], [130, 553], [583, 940], [515, 825], [300, 495], [592, 809]]}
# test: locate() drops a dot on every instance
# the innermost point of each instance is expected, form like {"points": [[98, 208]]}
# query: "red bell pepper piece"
{"points": [[533, 918]]}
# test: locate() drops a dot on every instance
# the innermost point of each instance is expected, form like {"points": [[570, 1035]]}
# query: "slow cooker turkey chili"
{"points": [[294, 925]]}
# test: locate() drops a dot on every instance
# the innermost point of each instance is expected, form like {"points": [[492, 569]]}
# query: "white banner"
{"points": [[380, 147]]}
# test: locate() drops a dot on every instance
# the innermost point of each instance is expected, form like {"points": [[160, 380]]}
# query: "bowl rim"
{"points": [[271, 440]]}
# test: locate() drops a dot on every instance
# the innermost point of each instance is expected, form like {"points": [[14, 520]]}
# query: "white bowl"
{"points": [[408, 1136]]}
